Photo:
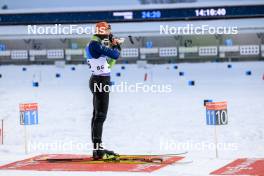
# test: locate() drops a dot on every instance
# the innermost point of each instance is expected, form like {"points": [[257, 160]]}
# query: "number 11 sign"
{"points": [[28, 114], [216, 113]]}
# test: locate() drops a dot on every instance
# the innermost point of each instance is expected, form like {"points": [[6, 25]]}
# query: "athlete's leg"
{"points": [[100, 104], [93, 118], [101, 107]]}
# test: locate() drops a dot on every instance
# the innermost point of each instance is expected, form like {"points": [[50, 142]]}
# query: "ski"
{"points": [[133, 159], [164, 155], [126, 160]]}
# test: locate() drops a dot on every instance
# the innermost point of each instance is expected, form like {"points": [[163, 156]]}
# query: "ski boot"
{"points": [[103, 154], [99, 153]]}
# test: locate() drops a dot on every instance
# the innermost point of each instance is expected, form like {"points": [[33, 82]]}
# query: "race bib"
{"points": [[98, 66]]}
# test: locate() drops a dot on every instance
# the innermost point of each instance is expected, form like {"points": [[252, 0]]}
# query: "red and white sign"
{"points": [[40, 163], [216, 105], [243, 166], [28, 107]]}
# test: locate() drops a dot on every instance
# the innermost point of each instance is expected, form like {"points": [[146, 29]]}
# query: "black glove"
{"points": [[111, 37], [114, 44], [117, 46]]}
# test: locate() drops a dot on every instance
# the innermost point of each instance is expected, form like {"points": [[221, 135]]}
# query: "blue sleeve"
{"points": [[112, 53]]}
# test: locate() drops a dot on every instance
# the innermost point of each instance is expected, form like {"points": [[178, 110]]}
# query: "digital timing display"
{"points": [[136, 15], [151, 14], [210, 12]]}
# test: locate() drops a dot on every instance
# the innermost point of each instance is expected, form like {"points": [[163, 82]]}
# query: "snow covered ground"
{"points": [[137, 122]]}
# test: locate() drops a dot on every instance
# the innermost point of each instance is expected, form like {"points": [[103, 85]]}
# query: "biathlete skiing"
{"points": [[101, 58]]}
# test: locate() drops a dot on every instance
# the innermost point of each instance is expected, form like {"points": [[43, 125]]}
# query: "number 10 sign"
{"points": [[216, 113], [28, 114]]}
